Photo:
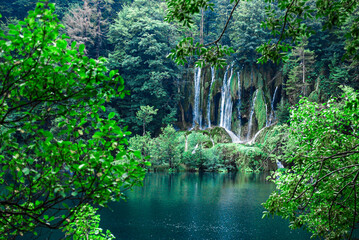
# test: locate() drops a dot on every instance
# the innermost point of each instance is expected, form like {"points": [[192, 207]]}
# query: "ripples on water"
{"points": [[197, 206]]}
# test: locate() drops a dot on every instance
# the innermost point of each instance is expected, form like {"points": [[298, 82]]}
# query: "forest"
{"points": [[96, 94]]}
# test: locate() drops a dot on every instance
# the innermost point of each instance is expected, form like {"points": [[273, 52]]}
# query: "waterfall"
{"points": [[239, 105], [251, 115], [233, 136], [223, 98], [209, 98], [195, 148], [272, 113], [226, 101], [279, 164], [197, 118]]}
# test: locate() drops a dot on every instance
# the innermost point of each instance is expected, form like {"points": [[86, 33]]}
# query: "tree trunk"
{"points": [[201, 29], [182, 115], [99, 40], [303, 57]]}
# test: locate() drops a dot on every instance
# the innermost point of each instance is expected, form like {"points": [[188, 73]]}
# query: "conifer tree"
{"points": [[301, 66]]}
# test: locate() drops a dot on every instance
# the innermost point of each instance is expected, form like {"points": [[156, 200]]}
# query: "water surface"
{"points": [[197, 206]]}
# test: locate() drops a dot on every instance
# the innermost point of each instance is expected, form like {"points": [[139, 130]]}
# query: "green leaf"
{"points": [[111, 115], [81, 48], [61, 44], [73, 44], [26, 171]]}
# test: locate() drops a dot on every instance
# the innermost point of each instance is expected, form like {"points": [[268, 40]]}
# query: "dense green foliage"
{"points": [[86, 225], [136, 39], [319, 191], [61, 113], [285, 20], [208, 150], [140, 38], [145, 115], [56, 152]]}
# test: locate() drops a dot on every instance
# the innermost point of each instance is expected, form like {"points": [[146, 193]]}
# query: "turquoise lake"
{"points": [[198, 206]]}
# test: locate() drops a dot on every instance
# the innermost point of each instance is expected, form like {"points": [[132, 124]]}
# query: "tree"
{"points": [[145, 115], [168, 143], [80, 26], [246, 32], [46, 178], [300, 64], [141, 39], [85, 25], [320, 190], [286, 25]]}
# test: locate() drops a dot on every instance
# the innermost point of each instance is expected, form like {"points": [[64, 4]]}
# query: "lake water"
{"points": [[197, 206]]}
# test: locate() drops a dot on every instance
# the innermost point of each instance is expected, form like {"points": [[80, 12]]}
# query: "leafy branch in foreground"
{"points": [[320, 192], [286, 20], [56, 153], [290, 24], [213, 52]]}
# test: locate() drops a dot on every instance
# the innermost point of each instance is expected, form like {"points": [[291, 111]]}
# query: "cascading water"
{"points": [[233, 136], [197, 118], [279, 164], [239, 105], [227, 105], [272, 113], [226, 101], [209, 98], [251, 116]]}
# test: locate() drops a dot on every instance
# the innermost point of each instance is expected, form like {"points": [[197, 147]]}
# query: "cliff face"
{"points": [[241, 98]]}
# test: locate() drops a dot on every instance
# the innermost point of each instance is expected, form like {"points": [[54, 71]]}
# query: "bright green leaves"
{"points": [[273, 52], [62, 44], [289, 24], [111, 115], [287, 21], [324, 150], [86, 225], [213, 55], [82, 48], [54, 146], [183, 10]]}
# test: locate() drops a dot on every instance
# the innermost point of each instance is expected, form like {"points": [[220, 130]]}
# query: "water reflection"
{"points": [[197, 206]]}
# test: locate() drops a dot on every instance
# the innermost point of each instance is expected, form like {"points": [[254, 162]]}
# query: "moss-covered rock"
{"points": [[260, 138], [260, 82], [234, 85], [260, 109]]}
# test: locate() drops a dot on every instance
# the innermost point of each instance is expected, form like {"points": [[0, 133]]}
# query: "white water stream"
{"points": [[209, 98], [197, 118], [272, 113], [251, 116], [226, 100]]}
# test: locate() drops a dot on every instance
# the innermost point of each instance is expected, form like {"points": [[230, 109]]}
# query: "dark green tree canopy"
{"points": [[285, 20], [141, 40], [56, 151]]}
